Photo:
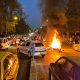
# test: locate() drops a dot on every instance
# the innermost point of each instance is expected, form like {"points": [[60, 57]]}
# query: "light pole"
{"points": [[15, 21]]}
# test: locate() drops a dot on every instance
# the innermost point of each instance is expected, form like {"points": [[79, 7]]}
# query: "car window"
{"points": [[38, 44], [66, 64], [62, 61], [72, 70], [8, 63], [28, 43]]}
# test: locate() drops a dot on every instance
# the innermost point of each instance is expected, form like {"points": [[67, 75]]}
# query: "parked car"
{"points": [[21, 41], [13, 41], [32, 48], [65, 68], [4, 43], [8, 66]]}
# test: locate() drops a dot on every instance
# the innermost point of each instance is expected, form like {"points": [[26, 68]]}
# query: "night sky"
{"points": [[32, 10]]}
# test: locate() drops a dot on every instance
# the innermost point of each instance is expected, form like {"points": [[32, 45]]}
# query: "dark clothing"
{"points": [[76, 39]]}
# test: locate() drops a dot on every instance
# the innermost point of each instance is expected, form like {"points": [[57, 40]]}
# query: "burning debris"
{"points": [[56, 43]]}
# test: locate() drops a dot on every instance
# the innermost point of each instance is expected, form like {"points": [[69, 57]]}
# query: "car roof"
{"points": [[75, 59], [4, 54]]}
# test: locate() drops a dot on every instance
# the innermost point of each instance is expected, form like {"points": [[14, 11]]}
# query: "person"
{"points": [[32, 50], [14, 41], [76, 39]]}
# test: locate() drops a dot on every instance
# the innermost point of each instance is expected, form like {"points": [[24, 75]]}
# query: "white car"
{"points": [[4, 43], [32, 48]]}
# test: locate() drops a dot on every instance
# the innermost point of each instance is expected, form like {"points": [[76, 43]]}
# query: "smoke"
{"points": [[53, 15]]}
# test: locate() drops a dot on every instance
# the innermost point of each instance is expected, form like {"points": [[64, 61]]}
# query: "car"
{"points": [[8, 66], [65, 68], [17, 41], [32, 48], [21, 41], [4, 43], [13, 41]]}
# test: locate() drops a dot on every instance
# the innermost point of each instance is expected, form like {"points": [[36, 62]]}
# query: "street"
{"points": [[24, 64], [37, 67], [34, 35]]}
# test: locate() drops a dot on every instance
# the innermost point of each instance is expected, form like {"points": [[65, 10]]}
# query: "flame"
{"points": [[56, 41]]}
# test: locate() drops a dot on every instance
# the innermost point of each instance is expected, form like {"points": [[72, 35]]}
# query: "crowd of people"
{"points": [[72, 39]]}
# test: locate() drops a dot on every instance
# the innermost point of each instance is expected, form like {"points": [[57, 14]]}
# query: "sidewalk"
{"points": [[33, 71]]}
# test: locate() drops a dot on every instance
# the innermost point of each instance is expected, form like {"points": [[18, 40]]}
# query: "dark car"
{"points": [[65, 68]]}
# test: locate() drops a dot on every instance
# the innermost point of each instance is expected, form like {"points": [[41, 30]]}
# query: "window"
{"points": [[28, 43], [67, 65], [62, 61], [38, 44], [8, 63]]}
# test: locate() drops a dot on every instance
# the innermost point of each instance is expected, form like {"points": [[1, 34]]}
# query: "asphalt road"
{"points": [[39, 66]]}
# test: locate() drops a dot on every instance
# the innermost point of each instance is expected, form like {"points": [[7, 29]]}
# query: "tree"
{"points": [[73, 14], [22, 27], [8, 9]]}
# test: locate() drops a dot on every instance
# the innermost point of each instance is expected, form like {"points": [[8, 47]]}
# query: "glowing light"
{"points": [[11, 63], [15, 18], [56, 42]]}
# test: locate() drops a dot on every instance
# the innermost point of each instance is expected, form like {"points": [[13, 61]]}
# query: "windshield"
{"points": [[8, 63], [38, 44]]}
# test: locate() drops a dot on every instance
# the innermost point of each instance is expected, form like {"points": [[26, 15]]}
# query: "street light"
{"points": [[15, 21], [15, 18]]}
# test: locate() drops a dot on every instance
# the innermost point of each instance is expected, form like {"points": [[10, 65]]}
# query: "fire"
{"points": [[56, 41]]}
